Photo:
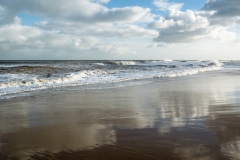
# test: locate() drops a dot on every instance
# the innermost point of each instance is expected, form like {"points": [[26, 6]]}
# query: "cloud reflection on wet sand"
{"points": [[172, 119]]}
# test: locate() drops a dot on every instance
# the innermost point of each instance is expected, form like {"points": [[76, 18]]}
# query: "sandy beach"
{"points": [[189, 117], [120, 80]]}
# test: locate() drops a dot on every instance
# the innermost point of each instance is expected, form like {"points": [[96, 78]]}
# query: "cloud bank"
{"points": [[186, 26], [73, 27], [74, 10], [89, 28]]}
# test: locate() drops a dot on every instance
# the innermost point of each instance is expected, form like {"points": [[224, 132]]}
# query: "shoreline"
{"points": [[177, 118]]}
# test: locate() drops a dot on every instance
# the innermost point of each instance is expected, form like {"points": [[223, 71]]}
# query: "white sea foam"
{"points": [[134, 70], [168, 60], [99, 64], [124, 62]]}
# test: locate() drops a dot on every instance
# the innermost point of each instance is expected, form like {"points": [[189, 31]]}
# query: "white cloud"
{"points": [[161, 44], [166, 6], [179, 26], [107, 30], [14, 38], [102, 1], [76, 10], [89, 28], [76, 27]]}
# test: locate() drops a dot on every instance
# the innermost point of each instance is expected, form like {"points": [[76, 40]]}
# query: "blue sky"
{"points": [[119, 29], [188, 4], [28, 19]]}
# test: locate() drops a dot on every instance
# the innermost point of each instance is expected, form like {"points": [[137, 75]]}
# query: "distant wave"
{"points": [[168, 60], [122, 62], [232, 63]]}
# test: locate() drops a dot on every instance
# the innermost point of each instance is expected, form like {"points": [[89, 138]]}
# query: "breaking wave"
{"points": [[22, 77]]}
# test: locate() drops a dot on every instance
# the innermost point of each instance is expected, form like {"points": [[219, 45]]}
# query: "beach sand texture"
{"points": [[193, 117]]}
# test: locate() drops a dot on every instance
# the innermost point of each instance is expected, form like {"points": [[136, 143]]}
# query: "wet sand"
{"points": [[192, 117]]}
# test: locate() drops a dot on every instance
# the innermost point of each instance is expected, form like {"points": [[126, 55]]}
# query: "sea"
{"points": [[24, 78]]}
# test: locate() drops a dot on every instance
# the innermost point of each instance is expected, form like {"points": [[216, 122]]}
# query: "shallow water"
{"points": [[193, 117]]}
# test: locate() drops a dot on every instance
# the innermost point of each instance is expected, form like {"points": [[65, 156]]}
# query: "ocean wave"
{"points": [[232, 62], [34, 70], [30, 78], [24, 82], [122, 62], [98, 64], [167, 60]]}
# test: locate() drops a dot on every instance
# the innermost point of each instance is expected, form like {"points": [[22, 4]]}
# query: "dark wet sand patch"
{"points": [[179, 118]]}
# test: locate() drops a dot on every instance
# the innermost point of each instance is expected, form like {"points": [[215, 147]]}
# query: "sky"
{"points": [[119, 29]]}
